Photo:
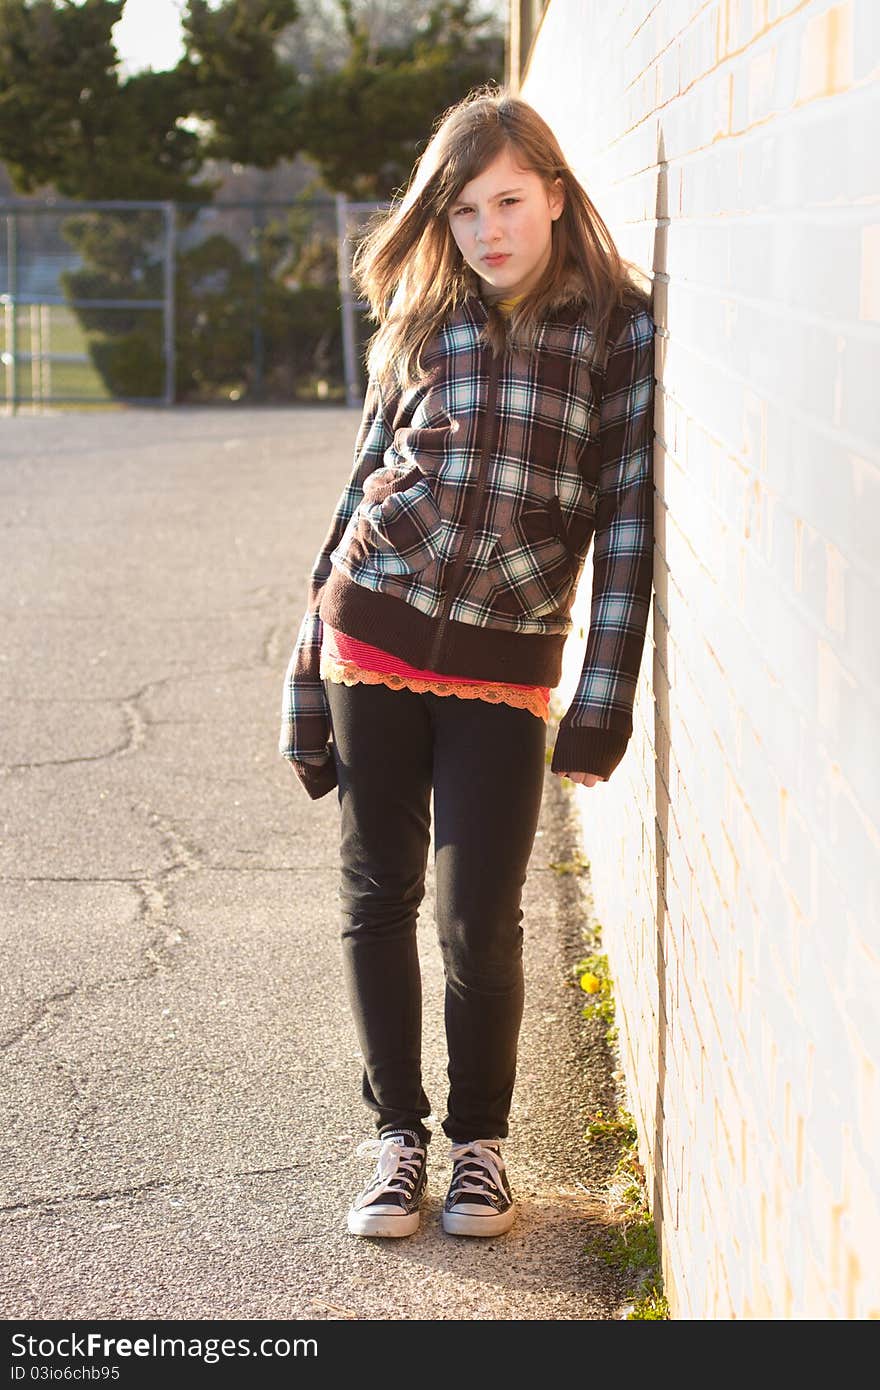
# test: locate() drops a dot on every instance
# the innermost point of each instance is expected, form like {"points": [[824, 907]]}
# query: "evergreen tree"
{"points": [[236, 81], [255, 86], [364, 121], [67, 120]]}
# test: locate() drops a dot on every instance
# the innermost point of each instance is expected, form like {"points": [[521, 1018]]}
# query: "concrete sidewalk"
{"points": [[181, 1091]]}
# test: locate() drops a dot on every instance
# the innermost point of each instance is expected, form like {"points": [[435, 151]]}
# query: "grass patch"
{"points": [[628, 1245], [651, 1306]]}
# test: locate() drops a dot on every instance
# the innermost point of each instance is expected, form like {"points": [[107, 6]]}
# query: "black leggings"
{"points": [[486, 763]]}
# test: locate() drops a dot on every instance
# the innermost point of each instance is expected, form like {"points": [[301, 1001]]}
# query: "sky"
{"points": [[148, 34]]}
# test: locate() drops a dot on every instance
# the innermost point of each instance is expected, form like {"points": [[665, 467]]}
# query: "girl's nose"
{"points": [[487, 232]]}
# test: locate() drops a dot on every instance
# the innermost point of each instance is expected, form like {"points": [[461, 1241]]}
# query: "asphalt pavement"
{"points": [[180, 1102]]}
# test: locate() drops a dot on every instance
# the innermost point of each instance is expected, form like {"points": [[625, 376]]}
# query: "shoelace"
{"points": [[397, 1169], [476, 1168]]}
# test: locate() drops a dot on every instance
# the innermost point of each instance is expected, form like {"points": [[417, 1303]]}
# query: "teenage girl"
{"points": [[508, 418]]}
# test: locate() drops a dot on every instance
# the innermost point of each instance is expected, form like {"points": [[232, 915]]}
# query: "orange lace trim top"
{"points": [[348, 661]]}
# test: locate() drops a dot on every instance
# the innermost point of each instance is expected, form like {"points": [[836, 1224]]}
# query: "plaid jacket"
{"points": [[473, 499]]}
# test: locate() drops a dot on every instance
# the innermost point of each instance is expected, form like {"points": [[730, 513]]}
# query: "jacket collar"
{"points": [[571, 290]]}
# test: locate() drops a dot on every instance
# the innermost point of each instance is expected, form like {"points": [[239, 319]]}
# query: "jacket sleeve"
{"points": [[306, 733], [595, 729]]}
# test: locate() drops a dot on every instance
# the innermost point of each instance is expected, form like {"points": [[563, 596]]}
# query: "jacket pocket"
{"points": [[398, 520], [531, 569]]}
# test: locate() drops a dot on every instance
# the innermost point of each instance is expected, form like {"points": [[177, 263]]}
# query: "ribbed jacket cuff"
{"points": [[588, 750], [317, 778]]}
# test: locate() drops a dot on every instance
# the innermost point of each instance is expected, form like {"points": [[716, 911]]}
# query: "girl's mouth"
{"points": [[495, 260]]}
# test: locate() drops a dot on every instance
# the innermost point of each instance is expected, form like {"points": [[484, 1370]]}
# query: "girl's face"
{"points": [[502, 221]]}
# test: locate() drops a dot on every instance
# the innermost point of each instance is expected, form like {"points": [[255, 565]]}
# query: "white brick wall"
{"points": [[731, 145]]}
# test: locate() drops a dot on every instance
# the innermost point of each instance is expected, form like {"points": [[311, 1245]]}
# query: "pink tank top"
{"points": [[346, 660]]}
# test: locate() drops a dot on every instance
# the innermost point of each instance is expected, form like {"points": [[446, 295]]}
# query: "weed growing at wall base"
{"points": [[595, 979], [628, 1244], [576, 865]]}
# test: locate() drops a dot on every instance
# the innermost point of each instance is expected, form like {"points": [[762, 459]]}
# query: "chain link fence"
{"points": [[159, 302]]}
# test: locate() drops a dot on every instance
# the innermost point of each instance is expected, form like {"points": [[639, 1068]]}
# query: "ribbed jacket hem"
{"points": [[484, 653], [588, 750], [317, 778]]}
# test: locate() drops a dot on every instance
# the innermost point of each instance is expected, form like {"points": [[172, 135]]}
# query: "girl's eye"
{"points": [[504, 200]]}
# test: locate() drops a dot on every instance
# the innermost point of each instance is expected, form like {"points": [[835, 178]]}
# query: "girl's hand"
{"points": [[589, 779]]}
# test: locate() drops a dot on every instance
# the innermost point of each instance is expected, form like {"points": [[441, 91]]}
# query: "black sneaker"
{"points": [[479, 1201], [389, 1204]]}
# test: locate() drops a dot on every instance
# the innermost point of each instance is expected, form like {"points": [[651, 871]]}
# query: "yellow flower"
{"points": [[591, 983]]}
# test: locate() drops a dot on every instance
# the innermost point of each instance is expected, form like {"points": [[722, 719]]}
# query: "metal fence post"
{"points": [[45, 351], [35, 336], [169, 310], [259, 345], [352, 388], [11, 314]]}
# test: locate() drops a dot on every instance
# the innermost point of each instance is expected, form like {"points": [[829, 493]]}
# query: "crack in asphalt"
{"points": [[80, 1107], [135, 736], [161, 934], [137, 721], [69, 878], [151, 1185], [207, 867], [157, 894], [41, 1010]]}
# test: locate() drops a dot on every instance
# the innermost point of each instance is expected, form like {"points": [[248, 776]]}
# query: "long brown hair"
{"points": [[411, 271]]}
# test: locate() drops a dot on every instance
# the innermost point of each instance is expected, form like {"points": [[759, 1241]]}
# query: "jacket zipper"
{"points": [[461, 557]]}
